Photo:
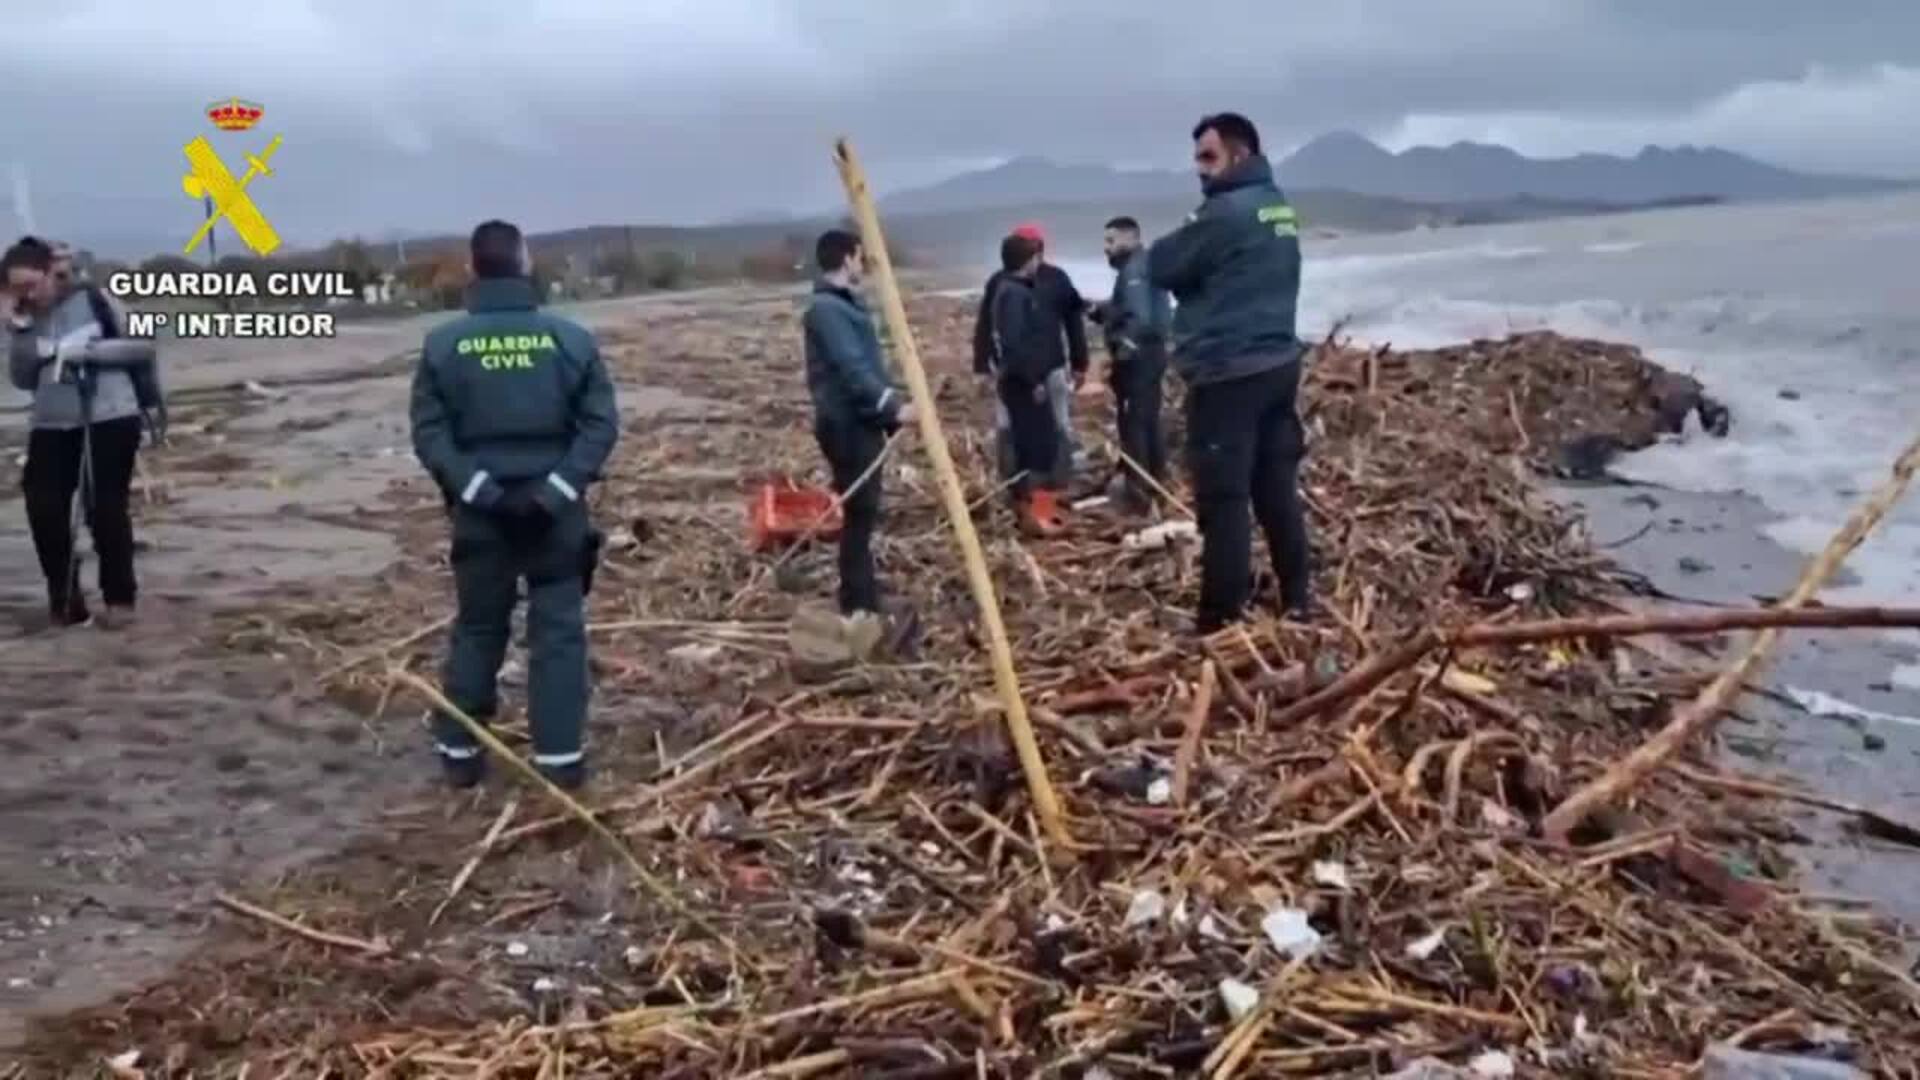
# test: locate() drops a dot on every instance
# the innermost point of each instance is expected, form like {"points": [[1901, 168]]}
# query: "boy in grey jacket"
{"points": [[86, 424]]}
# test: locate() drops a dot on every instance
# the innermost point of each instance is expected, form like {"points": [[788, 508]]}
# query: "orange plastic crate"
{"points": [[781, 512]]}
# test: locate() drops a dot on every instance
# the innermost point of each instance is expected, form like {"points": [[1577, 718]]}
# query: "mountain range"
{"points": [[1464, 172]]}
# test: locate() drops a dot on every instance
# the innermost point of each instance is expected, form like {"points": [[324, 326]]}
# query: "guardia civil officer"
{"points": [[1234, 271], [513, 415]]}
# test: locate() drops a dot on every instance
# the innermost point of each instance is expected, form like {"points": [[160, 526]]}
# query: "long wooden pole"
{"points": [[1699, 714], [1045, 803]]}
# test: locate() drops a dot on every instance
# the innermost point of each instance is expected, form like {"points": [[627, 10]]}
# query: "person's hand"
{"points": [[521, 504]]}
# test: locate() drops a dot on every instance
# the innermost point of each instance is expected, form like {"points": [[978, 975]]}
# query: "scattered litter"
{"points": [[1240, 998], [1155, 537], [1728, 1063], [1147, 906], [1819, 703], [1160, 792], [1424, 947], [1091, 502], [545, 985], [1288, 930], [1210, 929], [696, 653], [1333, 875], [517, 949], [1493, 1064]]}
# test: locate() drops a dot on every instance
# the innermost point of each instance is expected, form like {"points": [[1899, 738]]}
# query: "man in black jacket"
{"points": [[855, 406], [1062, 306], [1138, 322], [1022, 353], [1234, 269]]}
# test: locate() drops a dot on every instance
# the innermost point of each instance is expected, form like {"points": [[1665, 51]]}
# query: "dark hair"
{"points": [[495, 248], [28, 251], [1016, 252], [833, 249], [1123, 223], [1232, 128]]}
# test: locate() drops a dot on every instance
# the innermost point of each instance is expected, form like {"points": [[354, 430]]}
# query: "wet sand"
{"points": [[146, 770], [1710, 549]]}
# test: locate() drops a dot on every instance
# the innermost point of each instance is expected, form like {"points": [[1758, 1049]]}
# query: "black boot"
{"points": [[570, 777]]}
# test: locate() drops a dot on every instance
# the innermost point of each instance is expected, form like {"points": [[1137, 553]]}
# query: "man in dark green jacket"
{"points": [[513, 415], [855, 407], [1234, 270]]}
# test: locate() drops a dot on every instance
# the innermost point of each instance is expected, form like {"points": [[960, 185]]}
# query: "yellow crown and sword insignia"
{"points": [[209, 178]]}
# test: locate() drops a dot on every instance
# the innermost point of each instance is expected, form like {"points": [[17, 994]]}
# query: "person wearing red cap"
{"points": [[1064, 311], [1024, 338]]}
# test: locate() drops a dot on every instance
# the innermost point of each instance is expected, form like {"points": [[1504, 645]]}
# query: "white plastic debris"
{"points": [[1091, 502], [1160, 792], [126, 1060], [1155, 537], [1428, 945], [1210, 929], [1288, 930], [636, 956], [517, 948], [1492, 1064], [1520, 593], [1817, 703], [695, 653], [1727, 1063], [544, 985], [1147, 906], [1497, 817], [1239, 998], [1055, 923], [1333, 875]]}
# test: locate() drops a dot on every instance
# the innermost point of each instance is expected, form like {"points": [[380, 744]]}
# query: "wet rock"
{"points": [[1690, 565], [1872, 743], [1789, 394]]}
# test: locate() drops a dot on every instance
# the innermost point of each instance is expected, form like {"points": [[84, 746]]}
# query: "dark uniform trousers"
{"points": [[1245, 443], [1138, 377], [850, 450], [491, 556]]}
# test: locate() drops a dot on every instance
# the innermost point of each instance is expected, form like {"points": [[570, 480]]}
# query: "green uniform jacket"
{"points": [[508, 394], [1234, 269]]}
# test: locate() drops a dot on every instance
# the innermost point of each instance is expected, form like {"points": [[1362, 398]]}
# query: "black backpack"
{"points": [[146, 380]]}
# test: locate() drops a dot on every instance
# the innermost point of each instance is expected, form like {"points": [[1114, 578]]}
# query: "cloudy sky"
{"points": [[427, 114]]}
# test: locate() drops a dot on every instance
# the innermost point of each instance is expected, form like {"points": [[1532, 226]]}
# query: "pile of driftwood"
{"points": [[1290, 850]]}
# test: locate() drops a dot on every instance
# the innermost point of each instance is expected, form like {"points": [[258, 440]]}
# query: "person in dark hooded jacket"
{"points": [[855, 407], [1022, 360], [1064, 309], [1234, 272]]}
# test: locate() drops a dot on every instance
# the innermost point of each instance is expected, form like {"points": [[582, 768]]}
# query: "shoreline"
{"points": [[1711, 548]]}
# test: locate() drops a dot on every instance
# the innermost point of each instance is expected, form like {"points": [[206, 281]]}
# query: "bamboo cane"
{"points": [[1045, 803], [1699, 715]]}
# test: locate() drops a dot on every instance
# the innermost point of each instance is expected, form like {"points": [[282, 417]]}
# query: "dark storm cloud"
{"points": [[428, 112]]}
